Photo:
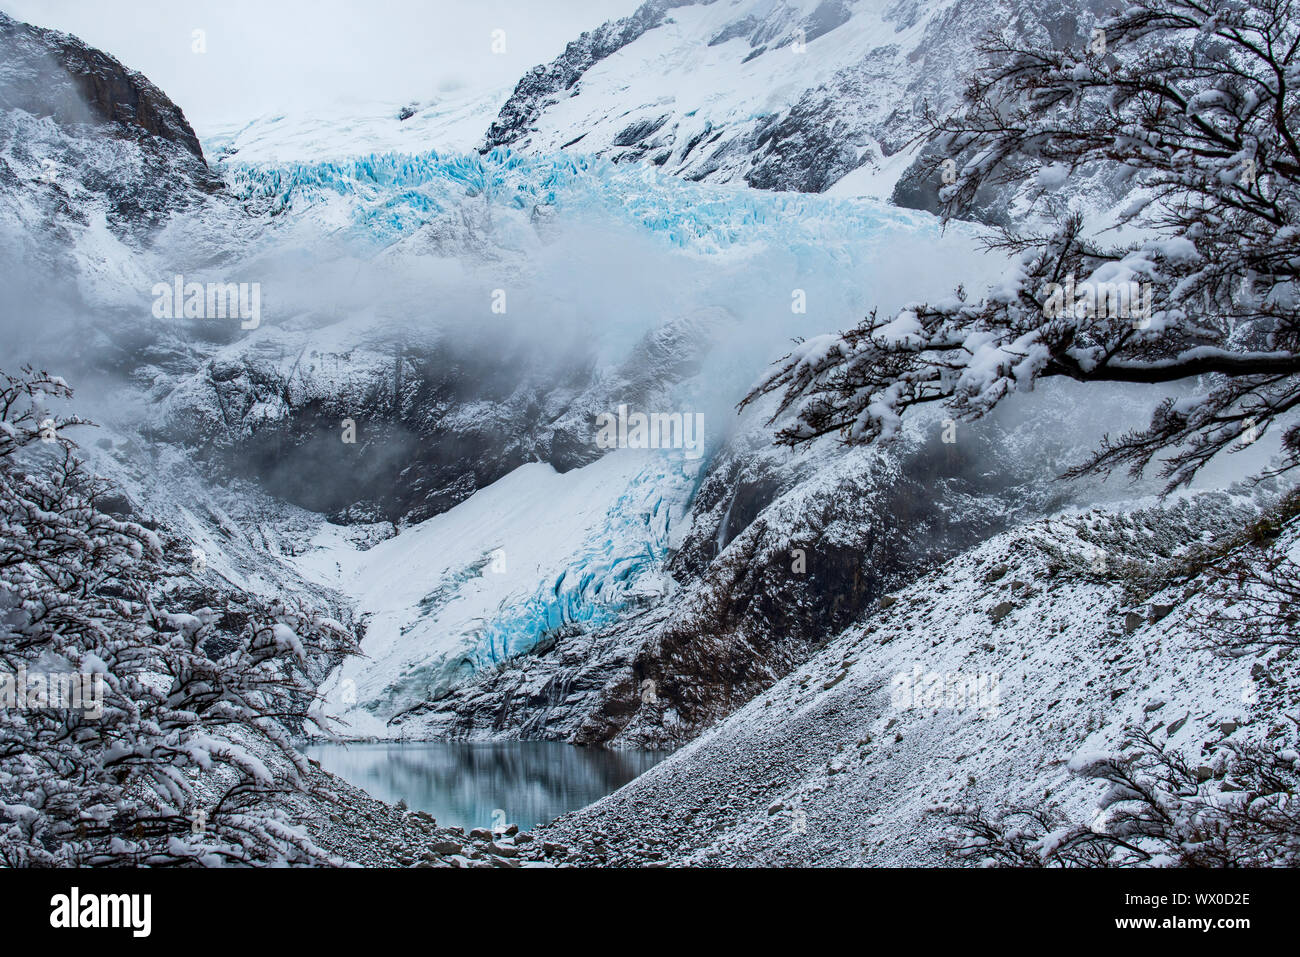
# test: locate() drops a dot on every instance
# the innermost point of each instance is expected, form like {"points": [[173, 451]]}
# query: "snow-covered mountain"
{"points": [[560, 643], [793, 95], [516, 578], [806, 95]]}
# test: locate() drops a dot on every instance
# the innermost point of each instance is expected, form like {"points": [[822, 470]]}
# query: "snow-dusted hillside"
{"points": [[779, 94], [975, 685]]}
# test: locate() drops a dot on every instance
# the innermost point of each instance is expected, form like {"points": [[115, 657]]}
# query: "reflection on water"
{"points": [[462, 783]]}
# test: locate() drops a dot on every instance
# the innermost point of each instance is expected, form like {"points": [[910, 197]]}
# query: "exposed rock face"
{"points": [[428, 426], [94, 159], [47, 73], [433, 420], [80, 132], [808, 149]]}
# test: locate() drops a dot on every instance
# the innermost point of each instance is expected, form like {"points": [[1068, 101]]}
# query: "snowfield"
{"points": [[451, 123]]}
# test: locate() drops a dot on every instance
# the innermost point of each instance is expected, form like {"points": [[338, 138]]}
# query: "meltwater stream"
{"points": [[468, 784]]}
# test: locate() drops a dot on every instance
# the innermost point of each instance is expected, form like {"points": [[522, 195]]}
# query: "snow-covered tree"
{"points": [[187, 756], [1239, 808], [1194, 104]]}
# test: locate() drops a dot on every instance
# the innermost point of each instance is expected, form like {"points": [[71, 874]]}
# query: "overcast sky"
{"points": [[265, 55]]}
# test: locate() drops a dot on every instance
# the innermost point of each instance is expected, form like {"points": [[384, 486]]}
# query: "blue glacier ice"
{"points": [[624, 556], [391, 195]]}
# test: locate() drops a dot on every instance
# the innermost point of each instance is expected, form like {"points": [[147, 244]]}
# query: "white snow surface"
{"points": [[448, 124]]}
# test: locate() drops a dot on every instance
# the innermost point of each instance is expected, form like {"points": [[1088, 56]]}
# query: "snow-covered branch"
{"points": [[1196, 104]]}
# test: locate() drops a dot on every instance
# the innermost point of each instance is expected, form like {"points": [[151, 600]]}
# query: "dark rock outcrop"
{"points": [[808, 149], [47, 73], [80, 131], [433, 421]]}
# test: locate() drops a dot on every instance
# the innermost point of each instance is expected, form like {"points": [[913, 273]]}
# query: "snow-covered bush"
{"points": [[1196, 104], [1255, 593], [1242, 807], [186, 757], [1157, 811]]}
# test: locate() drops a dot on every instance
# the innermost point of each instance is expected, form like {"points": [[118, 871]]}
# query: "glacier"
{"points": [[622, 253], [391, 195], [492, 578]]}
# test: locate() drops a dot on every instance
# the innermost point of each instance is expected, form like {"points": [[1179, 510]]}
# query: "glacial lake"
{"points": [[464, 783]]}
